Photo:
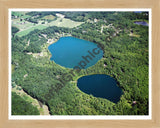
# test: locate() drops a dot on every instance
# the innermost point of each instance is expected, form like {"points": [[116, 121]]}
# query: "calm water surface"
{"points": [[70, 52], [100, 85]]}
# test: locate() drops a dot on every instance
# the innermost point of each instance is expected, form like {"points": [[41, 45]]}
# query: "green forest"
{"points": [[125, 58], [24, 108]]}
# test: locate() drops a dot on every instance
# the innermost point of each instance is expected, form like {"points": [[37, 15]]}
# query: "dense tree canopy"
{"points": [[125, 47], [22, 107]]}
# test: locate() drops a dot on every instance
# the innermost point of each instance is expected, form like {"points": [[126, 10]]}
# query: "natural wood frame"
{"points": [[6, 4]]}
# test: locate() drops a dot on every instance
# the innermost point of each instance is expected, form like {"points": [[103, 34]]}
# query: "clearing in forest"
{"points": [[60, 22]]}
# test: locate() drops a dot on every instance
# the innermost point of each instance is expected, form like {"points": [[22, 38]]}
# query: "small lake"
{"points": [[137, 11], [100, 85], [141, 23], [72, 52]]}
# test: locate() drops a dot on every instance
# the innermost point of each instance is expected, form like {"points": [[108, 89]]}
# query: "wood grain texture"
{"points": [[6, 4]]}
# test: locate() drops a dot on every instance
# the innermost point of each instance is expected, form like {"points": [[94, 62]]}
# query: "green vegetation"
{"points": [[25, 16], [64, 23], [49, 17], [43, 109], [125, 59], [18, 14], [22, 107], [22, 25], [30, 21], [25, 32], [14, 30]]}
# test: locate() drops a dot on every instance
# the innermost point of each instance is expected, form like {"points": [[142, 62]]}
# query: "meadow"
{"points": [[25, 32], [26, 27], [67, 23]]}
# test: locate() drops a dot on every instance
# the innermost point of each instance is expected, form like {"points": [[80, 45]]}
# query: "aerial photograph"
{"points": [[79, 63]]}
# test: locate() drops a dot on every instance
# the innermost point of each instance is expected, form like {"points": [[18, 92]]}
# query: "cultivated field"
{"points": [[25, 32], [49, 17], [64, 23], [26, 27]]}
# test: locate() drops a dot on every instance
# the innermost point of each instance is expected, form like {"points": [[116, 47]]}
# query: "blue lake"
{"points": [[72, 52], [100, 85], [141, 23], [137, 11]]}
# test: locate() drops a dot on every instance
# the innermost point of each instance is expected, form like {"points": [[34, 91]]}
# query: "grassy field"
{"points": [[25, 32], [17, 13], [27, 27], [26, 16], [49, 17], [20, 13], [17, 23], [64, 23]]}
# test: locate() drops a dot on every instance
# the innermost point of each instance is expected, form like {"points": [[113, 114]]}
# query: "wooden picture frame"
{"points": [[4, 52]]}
